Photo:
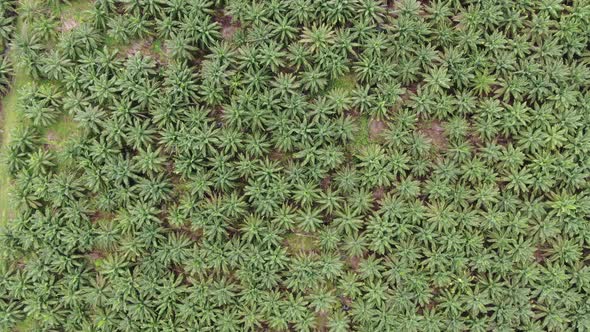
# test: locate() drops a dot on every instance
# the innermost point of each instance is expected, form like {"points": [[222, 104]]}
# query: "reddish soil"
{"points": [[228, 27], [276, 155], [101, 216], [376, 127], [345, 303], [325, 183], [96, 255], [434, 131], [502, 140], [354, 262], [228, 32], [474, 139], [144, 47], [539, 255], [51, 136], [378, 194], [67, 24], [21, 264], [353, 113], [411, 90], [140, 46]]}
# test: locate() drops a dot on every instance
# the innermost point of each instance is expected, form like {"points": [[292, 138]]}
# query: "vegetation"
{"points": [[339, 165]]}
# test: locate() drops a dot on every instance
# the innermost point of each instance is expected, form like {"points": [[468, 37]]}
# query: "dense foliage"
{"points": [[339, 165], [7, 21]]}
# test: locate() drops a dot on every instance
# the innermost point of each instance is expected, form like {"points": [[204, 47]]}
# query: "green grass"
{"points": [[10, 120], [75, 9], [56, 137], [4, 199], [298, 242], [346, 82], [157, 47], [26, 325], [362, 135], [61, 131]]}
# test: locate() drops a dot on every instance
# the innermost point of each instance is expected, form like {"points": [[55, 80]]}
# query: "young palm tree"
{"points": [[318, 37], [5, 75], [7, 21]]}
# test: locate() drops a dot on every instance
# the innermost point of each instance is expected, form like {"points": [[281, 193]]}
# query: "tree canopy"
{"points": [[301, 165]]}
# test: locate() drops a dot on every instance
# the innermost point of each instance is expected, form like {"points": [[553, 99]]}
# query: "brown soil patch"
{"points": [[322, 321], [140, 46], [100, 215], [378, 194], [21, 264], [68, 23], [539, 255], [51, 137], [376, 128], [96, 255], [51, 140], [325, 183], [431, 305], [503, 140], [346, 303], [228, 32], [434, 131], [411, 90], [228, 26], [352, 112], [354, 262], [144, 46], [300, 242], [276, 155], [193, 234], [474, 139]]}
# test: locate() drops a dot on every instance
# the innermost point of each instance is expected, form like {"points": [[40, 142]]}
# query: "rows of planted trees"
{"points": [[301, 165], [7, 26]]}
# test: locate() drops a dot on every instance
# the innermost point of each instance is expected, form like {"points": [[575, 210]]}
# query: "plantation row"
{"points": [[340, 165]]}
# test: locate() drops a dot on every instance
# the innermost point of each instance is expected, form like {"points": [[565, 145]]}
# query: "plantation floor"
{"points": [[9, 120]]}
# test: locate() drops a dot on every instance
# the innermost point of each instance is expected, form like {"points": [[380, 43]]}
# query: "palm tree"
{"points": [[65, 188], [309, 220], [271, 56], [27, 48], [154, 190], [314, 80], [367, 67], [103, 88], [180, 83], [41, 116], [149, 161], [41, 162], [5, 75], [200, 29], [55, 65], [180, 47], [318, 37], [91, 119], [140, 135], [6, 24], [338, 322]]}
